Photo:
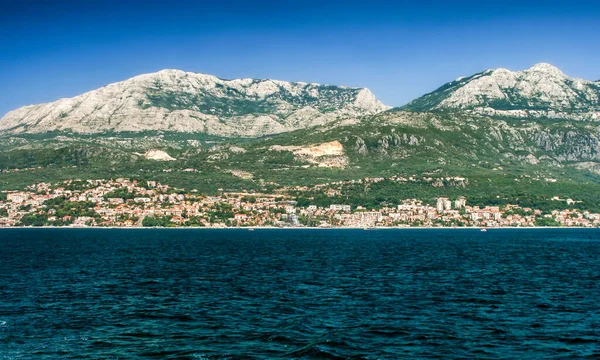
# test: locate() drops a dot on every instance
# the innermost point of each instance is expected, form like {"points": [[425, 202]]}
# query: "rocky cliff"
{"points": [[173, 100]]}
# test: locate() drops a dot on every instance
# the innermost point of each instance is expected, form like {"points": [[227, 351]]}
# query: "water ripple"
{"points": [[299, 294]]}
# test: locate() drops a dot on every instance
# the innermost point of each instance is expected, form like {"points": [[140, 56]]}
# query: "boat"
{"points": [[251, 229], [483, 229]]}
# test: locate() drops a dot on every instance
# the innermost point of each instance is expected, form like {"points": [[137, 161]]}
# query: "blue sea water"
{"points": [[331, 294]]}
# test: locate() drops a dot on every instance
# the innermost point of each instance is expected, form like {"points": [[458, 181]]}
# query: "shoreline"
{"points": [[251, 228]]}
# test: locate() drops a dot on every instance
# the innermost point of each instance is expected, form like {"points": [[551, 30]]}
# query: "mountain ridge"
{"points": [[541, 91], [180, 101], [221, 127], [175, 100]]}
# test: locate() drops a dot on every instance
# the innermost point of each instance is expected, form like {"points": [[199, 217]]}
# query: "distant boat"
{"points": [[483, 229], [251, 229]]}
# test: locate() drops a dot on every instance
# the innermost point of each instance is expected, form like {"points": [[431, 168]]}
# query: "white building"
{"points": [[17, 198], [443, 204], [142, 200], [336, 207], [460, 202]]}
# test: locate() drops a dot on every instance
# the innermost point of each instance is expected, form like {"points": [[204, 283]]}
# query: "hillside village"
{"points": [[138, 203]]}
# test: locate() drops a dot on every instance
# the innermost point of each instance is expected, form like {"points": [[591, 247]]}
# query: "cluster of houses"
{"points": [[128, 203]]}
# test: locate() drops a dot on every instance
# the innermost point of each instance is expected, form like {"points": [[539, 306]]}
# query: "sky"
{"points": [[398, 49]]}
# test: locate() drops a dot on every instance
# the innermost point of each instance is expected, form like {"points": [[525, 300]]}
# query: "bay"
{"points": [[335, 294]]}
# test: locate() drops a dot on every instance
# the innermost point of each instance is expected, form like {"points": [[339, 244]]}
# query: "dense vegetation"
{"points": [[157, 221], [503, 161]]}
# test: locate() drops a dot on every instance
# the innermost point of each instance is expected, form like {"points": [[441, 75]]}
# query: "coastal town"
{"points": [[142, 203]]}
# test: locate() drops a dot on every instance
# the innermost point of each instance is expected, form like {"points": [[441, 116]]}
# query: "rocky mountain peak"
{"points": [[545, 68], [542, 91], [179, 101]]}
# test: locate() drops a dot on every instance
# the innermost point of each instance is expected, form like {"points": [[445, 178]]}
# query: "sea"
{"points": [[299, 294]]}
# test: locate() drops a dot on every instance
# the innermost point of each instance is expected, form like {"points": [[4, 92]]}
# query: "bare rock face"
{"points": [[541, 91], [360, 146], [174, 100], [329, 154], [158, 155]]}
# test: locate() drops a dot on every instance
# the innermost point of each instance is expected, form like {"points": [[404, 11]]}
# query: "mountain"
{"points": [[541, 91], [435, 146], [173, 100]]}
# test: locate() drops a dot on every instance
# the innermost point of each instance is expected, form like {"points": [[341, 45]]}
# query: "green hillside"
{"points": [[500, 160]]}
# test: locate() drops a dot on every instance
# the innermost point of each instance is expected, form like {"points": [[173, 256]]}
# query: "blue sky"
{"points": [[400, 50]]}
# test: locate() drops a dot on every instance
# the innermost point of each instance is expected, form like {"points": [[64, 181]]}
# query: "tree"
{"points": [[546, 221], [33, 220]]}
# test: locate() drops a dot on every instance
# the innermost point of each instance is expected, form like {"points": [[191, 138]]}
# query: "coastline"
{"points": [[251, 228]]}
